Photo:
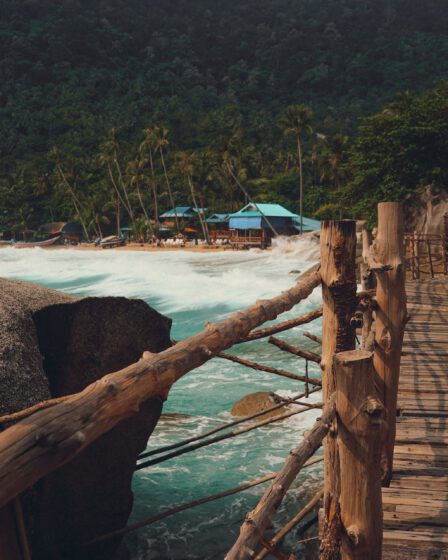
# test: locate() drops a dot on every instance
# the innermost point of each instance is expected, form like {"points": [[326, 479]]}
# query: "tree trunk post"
{"points": [[391, 315], [338, 271], [359, 440]]}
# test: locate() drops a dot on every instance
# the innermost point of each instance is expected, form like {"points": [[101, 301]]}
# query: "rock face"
{"points": [[53, 344], [424, 212], [256, 402]]}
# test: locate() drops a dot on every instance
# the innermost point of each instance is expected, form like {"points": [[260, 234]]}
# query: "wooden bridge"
{"points": [[416, 503], [385, 476]]}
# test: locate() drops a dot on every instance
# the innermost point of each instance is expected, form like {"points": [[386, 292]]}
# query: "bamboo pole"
{"points": [[159, 450], [359, 440], [286, 347], [222, 437], [270, 369], [259, 519], [286, 325], [390, 317], [292, 523], [338, 248], [40, 443], [192, 504]]}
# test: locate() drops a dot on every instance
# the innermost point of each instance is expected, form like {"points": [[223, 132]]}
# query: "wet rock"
{"points": [[257, 402]]}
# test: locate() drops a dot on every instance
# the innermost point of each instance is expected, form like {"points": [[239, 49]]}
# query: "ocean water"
{"points": [[192, 288]]}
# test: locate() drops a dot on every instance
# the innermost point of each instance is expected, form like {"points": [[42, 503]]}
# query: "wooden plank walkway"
{"points": [[416, 504]]}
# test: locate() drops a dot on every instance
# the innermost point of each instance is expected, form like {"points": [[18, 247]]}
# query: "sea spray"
{"points": [[193, 288]]}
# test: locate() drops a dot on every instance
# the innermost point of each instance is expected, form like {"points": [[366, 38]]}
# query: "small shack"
{"points": [[261, 219], [186, 216]]}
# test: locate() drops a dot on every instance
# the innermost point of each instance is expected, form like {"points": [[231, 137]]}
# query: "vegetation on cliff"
{"points": [[124, 108]]}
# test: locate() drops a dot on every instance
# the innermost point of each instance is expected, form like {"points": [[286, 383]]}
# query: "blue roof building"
{"points": [[218, 219], [182, 213], [261, 215]]}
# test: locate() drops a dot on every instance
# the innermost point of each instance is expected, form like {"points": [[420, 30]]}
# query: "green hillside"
{"points": [[80, 81]]}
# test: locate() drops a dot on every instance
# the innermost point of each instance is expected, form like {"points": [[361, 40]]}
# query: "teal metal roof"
{"points": [[218, 218], [269, 210], [182, 212]]}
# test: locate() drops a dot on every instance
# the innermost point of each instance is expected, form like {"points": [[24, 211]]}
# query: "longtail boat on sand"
{"points": [[31, 244]]}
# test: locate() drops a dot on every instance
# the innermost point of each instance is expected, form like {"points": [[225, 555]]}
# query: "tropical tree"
{"points": [[161, 141], [186, 164], [147, 150], [56, 156], [296, 121]]}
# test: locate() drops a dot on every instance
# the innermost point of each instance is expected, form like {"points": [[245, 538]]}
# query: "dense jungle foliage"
{"points": [[122, 108]]}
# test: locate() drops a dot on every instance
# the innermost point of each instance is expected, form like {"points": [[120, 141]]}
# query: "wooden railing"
{"points": [[359, 385], [426, 255]]}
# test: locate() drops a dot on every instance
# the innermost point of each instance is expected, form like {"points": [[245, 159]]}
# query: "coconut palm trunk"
{"points": [[154, 188], [168, 186], [299, 159], [75, 200], [201, 217]]}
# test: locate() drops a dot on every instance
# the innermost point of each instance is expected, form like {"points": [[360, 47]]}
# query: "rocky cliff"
{"points": [[424, 211], [54, 344]]}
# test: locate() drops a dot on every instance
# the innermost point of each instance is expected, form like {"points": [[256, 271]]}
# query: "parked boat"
{"points": [[112, 241], [32, 244]]}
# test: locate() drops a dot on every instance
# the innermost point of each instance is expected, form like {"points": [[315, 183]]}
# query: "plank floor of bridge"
{"points": [[416, 504]]}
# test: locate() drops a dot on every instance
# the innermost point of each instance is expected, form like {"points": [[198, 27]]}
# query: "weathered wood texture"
{"points": [[259, 519], [416, 503], [338, 250], [47, 439], [387, 249], [361, 427]]}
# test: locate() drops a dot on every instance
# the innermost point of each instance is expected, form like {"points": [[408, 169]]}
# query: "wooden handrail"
{"points": [[45, 440]]}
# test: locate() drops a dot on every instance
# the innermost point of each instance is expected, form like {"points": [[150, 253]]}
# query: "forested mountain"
{"points": [[209, 81]]}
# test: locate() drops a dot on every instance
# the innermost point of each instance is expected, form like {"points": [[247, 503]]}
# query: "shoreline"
{"points": [[129, 247]]}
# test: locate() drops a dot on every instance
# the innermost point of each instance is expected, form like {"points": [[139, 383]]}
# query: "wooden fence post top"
{"points": [[352, 356]]}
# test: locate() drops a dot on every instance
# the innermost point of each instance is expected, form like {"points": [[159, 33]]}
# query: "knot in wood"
{"points": [[373, 407], [354, 535]]}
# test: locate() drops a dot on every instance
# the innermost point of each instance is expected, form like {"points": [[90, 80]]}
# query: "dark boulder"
{"points": [[53, 344]]}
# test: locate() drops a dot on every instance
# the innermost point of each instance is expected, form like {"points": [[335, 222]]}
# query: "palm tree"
{"points": [[186, 163], [109, 157], [334, 164], [136, 177], [56, 156], [147, 147], [295, 121], [161, 141]]}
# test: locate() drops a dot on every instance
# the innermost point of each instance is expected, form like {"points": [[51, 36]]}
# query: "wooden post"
{"points": [[387, 250], [359, 439], [416, 255], [338, 250], [431, 266]]}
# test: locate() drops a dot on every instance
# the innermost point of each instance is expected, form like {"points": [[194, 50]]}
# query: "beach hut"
{"points": [[187, 216], [218, 222], [262, 220]]}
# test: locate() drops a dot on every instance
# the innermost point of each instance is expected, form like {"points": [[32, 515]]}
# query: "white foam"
{"points": [[174, 280]]}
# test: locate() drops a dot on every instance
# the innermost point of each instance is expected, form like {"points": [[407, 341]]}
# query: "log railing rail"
{"points": [[359, 389]]}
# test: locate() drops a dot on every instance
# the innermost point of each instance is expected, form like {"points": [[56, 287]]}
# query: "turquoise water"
{"points": [[192, 288]]}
